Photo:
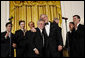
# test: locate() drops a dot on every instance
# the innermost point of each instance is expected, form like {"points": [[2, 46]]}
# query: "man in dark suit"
{"points": [[79, 37], [21, 40], [53, 39], [56, 22], [29, 46], [8, 42], [70, 39], [35, 41], [39, 40]]}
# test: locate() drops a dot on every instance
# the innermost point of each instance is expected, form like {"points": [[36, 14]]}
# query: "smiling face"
{"points": [[41, 24], [45, 18]]}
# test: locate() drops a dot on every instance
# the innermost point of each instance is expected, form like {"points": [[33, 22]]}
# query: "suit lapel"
{"points": [[44, 31], [38, 31], [79, 26], [21, 32]]}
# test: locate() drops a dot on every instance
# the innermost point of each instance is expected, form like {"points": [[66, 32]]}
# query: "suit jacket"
{"points": [[79, 41], [19, 37], [21, 41], [5, 44], [70, 42], [34, 40], [59, 34], [29, 46], [53, 40], [38, 42], [75, 42]]}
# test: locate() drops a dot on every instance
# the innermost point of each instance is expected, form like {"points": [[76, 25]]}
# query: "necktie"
{"points": [[43, 38], [24, 32]]}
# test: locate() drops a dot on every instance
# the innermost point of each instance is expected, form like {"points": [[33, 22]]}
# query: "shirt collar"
{"points": [[9, 32], [78, 24], [22, 29], [40, 30]]}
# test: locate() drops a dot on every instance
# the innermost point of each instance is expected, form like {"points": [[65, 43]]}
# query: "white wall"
{"points": [[4, 14], [70, 8]]}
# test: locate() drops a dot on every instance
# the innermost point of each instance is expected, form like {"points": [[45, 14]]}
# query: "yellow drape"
{"points": [[31, 11]]}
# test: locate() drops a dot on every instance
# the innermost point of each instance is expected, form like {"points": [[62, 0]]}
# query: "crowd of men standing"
{"points": [[43, 41]]}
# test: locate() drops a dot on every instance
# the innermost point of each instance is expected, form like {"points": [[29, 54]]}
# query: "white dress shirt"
{"points": [[77, 26], [40, 30], [10, 35], [47, 28]]}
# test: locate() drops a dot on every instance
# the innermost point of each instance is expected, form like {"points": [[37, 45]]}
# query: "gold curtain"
{"points": [[31, 11]]}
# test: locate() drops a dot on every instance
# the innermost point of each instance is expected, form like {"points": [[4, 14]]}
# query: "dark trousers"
{"points": [[51, 53]]}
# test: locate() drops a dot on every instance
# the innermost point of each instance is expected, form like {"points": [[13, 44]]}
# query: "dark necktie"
{"points": [[46, 23], [43, 38]]}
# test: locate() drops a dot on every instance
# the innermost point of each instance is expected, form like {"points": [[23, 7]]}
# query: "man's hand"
{"points": [[14, 45], [60, 48], [7, 34], [36, 51], [33, 30]]}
